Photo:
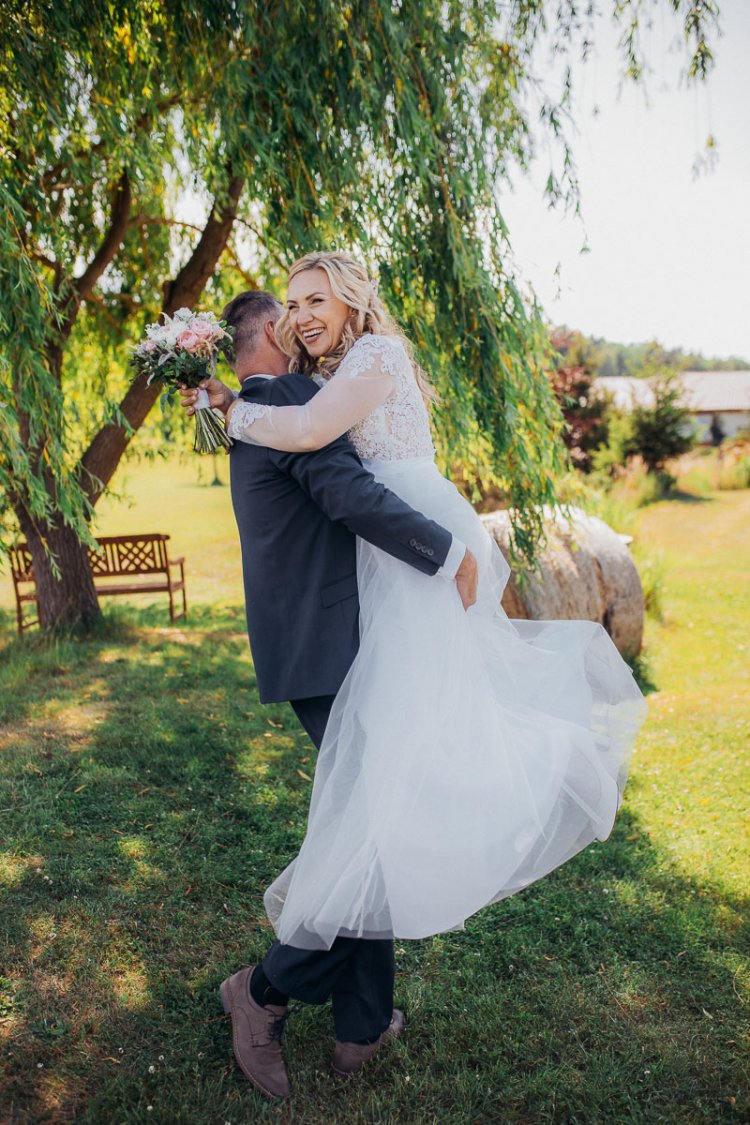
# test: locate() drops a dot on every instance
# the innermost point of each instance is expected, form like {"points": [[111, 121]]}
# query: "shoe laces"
{"points": [[278, 1023]]}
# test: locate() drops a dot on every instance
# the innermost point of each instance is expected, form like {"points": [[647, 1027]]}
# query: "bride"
{"points": [[466, 755]]}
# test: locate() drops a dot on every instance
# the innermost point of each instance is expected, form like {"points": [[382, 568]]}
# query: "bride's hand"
{"points": [[219, 395], [467, 578]]}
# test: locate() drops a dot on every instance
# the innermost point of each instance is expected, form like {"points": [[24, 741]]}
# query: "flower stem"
{"points": [[210, 435]]}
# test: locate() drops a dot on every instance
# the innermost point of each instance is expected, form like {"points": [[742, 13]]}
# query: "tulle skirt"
{"points": [[466, 756]]}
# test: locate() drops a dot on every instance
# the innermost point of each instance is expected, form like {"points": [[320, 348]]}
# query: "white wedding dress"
{"points": [[467, 755]]}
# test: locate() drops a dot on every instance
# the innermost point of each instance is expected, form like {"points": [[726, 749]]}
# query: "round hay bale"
{"points": [[586, 573]]}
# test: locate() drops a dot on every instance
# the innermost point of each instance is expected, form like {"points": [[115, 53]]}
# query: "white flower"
{"points": [[152, 1069], [183, 314]]}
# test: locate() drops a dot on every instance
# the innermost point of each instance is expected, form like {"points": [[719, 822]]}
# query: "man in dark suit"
{"points": [[298, 515]]}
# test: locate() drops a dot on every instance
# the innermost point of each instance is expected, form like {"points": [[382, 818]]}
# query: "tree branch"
{"points": [[159, 220], [51, 178], [80, 287], [284, 266], [111, 244], [50, 263], [103, 454], [190, 282]]}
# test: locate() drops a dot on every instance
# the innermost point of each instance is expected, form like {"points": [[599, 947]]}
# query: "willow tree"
{"points": [[151, 149]]}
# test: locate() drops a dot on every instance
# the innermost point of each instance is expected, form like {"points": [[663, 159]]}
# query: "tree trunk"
{"points": [[70, 601]]}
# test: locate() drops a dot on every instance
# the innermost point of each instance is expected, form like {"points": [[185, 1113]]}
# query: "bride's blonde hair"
{"points": [[352, 285]]}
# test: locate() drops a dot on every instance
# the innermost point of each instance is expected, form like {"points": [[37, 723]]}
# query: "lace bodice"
{"points": [[400, 426], [373, 396]]}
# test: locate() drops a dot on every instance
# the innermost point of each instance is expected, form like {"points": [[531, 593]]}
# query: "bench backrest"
{"points": [[129, 554], [117, 554], [20, 563]]}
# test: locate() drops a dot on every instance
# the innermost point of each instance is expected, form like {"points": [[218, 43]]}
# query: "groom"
{"points": [[297, 516]]}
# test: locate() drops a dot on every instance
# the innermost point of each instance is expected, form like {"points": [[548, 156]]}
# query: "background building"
{"points": [[714, 398]]}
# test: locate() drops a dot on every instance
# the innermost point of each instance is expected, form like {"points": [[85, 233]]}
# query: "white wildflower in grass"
{"points": [[185, 349]]}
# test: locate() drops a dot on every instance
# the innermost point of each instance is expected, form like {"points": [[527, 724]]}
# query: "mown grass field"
{"points": [[146, 799]]}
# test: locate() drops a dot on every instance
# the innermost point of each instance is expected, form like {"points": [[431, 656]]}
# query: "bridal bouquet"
{"points": [[185, 349]]}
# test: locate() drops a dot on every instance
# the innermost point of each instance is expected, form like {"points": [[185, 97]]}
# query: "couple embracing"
{"points": [[461, 755]]}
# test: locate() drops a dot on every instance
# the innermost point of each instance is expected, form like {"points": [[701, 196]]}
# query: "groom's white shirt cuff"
{"points": [[453, 559], [457, 549]]}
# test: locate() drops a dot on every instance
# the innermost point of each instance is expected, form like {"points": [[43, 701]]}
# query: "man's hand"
{"points": [[467, 577], [219, 396]]}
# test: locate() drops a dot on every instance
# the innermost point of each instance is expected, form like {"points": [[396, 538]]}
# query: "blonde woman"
{"points": [[466, 755]]}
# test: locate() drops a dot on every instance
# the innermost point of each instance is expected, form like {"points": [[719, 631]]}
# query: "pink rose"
{"points": [[202, 329], [188, 341]]}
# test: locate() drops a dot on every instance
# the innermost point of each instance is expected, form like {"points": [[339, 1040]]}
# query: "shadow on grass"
{"points": [[688, 497], [643, 673], [147, 799]]}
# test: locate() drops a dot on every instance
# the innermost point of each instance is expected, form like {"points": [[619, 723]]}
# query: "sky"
{"points": [[669, 254]]}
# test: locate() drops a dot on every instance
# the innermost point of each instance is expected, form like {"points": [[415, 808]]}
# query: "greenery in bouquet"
{"points": [[185, 349]]}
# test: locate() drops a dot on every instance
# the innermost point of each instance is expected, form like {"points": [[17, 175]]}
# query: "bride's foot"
{"points": [[348, 1058]]}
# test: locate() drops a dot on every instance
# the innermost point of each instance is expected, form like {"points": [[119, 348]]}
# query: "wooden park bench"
{"points": [[119, 557]]}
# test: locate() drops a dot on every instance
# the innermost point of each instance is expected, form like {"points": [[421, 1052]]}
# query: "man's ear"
{"points": [[270, 330]]}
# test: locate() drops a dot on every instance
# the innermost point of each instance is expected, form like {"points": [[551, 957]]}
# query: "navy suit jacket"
{"points": [[297, 516]]}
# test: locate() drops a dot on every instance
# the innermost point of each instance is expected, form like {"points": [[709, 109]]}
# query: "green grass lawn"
{"points": [[146, 799]]}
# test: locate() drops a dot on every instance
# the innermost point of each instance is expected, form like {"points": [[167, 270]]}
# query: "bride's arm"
{"points": [[356, 389]]}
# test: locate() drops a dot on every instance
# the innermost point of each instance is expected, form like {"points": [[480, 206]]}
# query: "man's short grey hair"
{"points": [[247, 313]]}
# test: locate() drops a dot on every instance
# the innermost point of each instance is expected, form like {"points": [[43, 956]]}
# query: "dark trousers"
{"points": [[356, 973]]}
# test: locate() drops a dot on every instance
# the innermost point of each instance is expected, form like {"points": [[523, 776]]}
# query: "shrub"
{"points": [[736, 475], [662, 429], [650, 566], [584, 406], [612, 456]]}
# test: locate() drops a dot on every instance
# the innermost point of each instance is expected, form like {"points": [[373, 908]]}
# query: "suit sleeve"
{"points": [[335, 480]]}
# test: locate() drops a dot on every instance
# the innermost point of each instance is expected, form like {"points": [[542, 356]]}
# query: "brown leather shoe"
{"points": [[256, 1035], [348, 1058]]}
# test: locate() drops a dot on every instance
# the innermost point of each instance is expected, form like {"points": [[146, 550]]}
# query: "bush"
{"points": [[734, 473], [613, 455], [640, 441], [663, 429], [584, 406], [650, 566]]}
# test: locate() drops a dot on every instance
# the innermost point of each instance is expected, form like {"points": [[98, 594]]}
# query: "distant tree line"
{"points": [[607, 357]]}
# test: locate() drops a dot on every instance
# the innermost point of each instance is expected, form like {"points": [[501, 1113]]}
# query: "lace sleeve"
{"points": [[364, 380]]}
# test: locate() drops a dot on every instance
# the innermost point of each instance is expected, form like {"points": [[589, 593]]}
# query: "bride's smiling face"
{"points": [[316, 315]]}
